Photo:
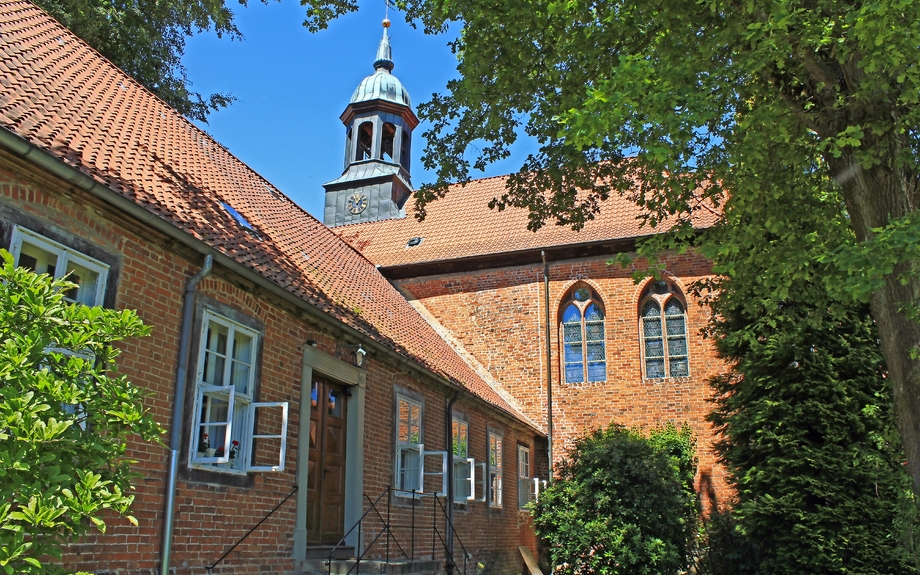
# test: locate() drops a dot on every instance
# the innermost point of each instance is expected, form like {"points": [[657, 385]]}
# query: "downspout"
{"points": [[175, 433], [449, 434], [549, 372]]}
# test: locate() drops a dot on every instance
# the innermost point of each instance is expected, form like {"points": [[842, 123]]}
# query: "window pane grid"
{"points": [[665, 340], [44, 256], [583, 338], [409, 426], [228, 354], [495, 470]]}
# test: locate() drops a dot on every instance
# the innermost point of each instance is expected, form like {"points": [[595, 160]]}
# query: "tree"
{"points": [[65, 415], [804, 415], [622, 503], [666, 101], [146, 39]]}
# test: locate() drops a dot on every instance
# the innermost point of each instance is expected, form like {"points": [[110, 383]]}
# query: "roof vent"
{"points": [[414, 242], [243, 222]]}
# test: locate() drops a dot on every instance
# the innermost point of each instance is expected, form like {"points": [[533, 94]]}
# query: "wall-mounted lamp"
{"points": [[359, 353]]}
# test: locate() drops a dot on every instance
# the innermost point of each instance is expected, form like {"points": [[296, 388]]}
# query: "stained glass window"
{"points": [[583, 343], [664, 335]]}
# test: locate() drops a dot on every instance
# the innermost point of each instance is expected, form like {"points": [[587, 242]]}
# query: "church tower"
{"points": [[378, 136]]}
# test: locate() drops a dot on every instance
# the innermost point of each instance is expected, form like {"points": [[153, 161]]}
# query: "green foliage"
{"points": [[805, 415], [65, 417], [146, 39], [722, 549], [623, 503]]}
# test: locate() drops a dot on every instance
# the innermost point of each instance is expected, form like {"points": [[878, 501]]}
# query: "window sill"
{"points": [[208, 474], [584, 383], [669, 379]]}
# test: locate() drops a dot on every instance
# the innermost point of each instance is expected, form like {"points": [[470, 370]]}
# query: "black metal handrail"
{"points": [[248, 533], [388, 526], [453, 530]]}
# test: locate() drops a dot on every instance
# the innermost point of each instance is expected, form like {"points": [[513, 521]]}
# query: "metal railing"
{"points": [[248, 533], [389, 529]]}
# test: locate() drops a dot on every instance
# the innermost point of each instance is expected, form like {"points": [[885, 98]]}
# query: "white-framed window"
{"points": [[526, 484], [663, 330], [495, 469], [464, 466], [409, 463], [42, 255], [45, 256], [224, 434]]}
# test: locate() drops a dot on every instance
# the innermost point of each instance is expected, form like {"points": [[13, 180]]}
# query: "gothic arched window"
{"points": [[583, 355], [663, 319]]}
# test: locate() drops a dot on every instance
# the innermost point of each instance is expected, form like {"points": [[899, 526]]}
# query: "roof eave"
{"points": [[43, 159]]}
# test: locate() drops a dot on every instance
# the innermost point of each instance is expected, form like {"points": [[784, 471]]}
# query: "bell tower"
{"points": [[378, 142]]}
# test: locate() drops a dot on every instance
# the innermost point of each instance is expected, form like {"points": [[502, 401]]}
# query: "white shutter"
{"points": [[219, 392], [442, 472], [281, 435], [471, 465]]}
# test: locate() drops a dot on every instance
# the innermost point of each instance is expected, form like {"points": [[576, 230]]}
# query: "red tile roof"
{"points": [[461, 225], [62, 96]]}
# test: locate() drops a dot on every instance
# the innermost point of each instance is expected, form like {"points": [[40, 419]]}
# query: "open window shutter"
{"points": [[485, 481], [404, 455], [218, 392], [442, 472], [278, 439], [471, 478]]}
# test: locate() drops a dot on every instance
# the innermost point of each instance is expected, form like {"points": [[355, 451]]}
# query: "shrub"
{"points": [[623, 503], [65, 416]]}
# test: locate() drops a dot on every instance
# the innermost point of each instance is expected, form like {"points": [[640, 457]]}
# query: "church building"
{"points": [[368, 392]]}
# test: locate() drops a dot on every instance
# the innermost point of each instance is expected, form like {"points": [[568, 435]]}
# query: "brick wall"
{"points": [[498, 316], [210, 515]]}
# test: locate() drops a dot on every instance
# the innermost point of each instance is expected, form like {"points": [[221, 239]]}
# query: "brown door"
{"points": [[326, 485]]}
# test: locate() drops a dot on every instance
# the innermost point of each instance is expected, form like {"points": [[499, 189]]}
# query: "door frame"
{"points": [[356, 380]]}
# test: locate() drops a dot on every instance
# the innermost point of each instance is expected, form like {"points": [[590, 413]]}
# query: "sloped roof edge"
{"points": [[43, 159]]}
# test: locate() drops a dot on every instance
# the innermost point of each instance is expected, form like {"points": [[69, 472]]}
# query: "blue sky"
{"points": [[292, 86]]}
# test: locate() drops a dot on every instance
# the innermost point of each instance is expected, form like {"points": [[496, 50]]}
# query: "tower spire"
{"points": [[384, 52]]}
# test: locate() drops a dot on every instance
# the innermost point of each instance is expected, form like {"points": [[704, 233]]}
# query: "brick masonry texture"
{"points": [[210, 516], [498, 316]]}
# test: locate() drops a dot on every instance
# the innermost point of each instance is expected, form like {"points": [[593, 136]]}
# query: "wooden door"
{"points": [[326, 479]]}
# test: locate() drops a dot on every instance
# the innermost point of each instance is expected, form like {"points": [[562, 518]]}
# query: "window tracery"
{"points": [[663, 329], [584, 355]]}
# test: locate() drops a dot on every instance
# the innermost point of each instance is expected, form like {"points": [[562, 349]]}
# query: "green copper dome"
{"points": [[382, 84]]}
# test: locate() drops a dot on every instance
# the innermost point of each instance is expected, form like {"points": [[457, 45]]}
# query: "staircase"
{"points": [[422, 524]]}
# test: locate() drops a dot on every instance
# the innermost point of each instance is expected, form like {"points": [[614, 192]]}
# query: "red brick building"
{"points": [[619, 352], [386, 358]]}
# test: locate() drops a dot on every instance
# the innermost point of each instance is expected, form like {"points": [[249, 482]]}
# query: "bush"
{"points": [[623, 503], [65, 416]]}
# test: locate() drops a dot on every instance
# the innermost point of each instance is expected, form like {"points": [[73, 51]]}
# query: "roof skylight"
{"points": [[414, 242], [243, 222]]}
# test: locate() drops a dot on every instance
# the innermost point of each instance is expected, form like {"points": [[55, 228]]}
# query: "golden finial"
{"points": [[386, 22]]}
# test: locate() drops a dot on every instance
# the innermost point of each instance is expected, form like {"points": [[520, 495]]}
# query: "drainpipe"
{"points": [[549, 372], [175, 433], [449, 425]]}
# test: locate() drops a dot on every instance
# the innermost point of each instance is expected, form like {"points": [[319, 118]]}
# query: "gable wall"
{"points": [[498, 316], [212, 513]]}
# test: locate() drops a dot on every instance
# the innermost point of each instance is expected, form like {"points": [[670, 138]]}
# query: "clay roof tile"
{"points": [[62, 96]]}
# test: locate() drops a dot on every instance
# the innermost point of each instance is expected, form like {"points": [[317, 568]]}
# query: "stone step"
{"points": [[371, 567]]}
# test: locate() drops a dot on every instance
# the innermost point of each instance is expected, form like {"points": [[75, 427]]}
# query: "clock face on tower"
{"points": [[356, 203]]}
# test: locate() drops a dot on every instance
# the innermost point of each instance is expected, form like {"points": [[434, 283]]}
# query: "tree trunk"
{"points": [[875, 197]]}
